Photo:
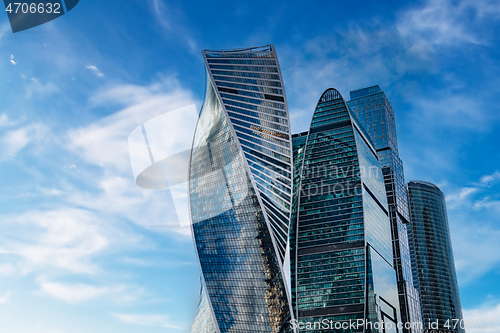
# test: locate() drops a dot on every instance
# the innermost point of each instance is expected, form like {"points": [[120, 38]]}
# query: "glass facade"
{"points": [[432, 256], [240, 191], [374, 112], [204, 321], [342, 260]]}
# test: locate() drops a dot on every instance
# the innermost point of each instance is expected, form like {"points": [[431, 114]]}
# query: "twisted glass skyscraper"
{"points": [[374, 112], [432, 256], [342, 265], [240, 192]]}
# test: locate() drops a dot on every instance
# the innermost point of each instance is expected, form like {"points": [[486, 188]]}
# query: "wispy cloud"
{"points": [[154, 263], [5, 120], [438, 22], [12, 61], [65, 239], [468, 197], [147, 320], [482, 317], [168, 17], [104, 142], [95, 70], [472, 211], [445, 23], [76, 293], [386, 53], [36, 88], [15, 140]]}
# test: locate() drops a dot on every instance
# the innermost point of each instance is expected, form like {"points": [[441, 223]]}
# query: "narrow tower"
{"points": [[432, 256], [374, 112]]}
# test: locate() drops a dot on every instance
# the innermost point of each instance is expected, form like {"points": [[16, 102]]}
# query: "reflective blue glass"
{"points": [[240, 198], [374, 113], [204, 321], [432, 256], [341, 236]]}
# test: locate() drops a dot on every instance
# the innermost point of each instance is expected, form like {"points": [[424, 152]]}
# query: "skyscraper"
{"points": [[240, 187], [342, 265], [374, 112], [432, 257]]}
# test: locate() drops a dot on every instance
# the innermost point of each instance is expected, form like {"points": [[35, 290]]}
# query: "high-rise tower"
{"points": [[240, 191], [432, 256], [342, 265], [374, 112]]}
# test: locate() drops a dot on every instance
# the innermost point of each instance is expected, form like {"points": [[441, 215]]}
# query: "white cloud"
{"points": [[12, 61], [36, 88], [65, 239], [489, 180], [168, 19], [445, 23], [487, 312], [95, 70], [375, 53], [439, 22], [49, 191], [472, 210], [5, 121], [76, 293], [7, 269], [147, 320], [474, 196], [4, 298], [15, 140], [477, 251], [69, 237], [105, 142], [154, 263], [451, 110]]}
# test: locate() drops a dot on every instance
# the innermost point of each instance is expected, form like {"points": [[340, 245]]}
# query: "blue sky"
{"points": [[80, 250]]}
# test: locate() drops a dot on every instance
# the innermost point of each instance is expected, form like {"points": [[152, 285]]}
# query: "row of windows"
{"points": [[244, 62], [253, 101], [264, 150], [262, 142], [250, 107], [330, 297], [326, 266], [325, 304], [263, 54], [264, 165], [248, 87], [332, 241], [248, 74], [313, 225], [271, 173], [265, 138], [272, 69], [277, 211], [249, 81], [331, 230], [347, 214], [318, 280], [330, 285]]}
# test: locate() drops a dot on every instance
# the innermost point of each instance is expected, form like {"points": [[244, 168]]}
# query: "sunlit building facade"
{"points": [[240, 187], [375, 114], [432, 256], [342, 258]]}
